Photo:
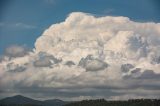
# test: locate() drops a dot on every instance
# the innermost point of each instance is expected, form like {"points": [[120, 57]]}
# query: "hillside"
{"points": [[19, 100]]}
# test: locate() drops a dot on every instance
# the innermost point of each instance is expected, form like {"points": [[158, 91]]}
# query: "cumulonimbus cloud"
{"points": [[99, 54]]}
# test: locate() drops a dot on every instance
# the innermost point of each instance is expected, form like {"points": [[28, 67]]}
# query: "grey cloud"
{"points": [[46, 60], [137, 70], [69, 63], [139, 44], [139, 79], [126, 67], [18, 69], [156, 59], [96, 65], [92, 64], [149, 74], [83, 61], [43, 62], [135, 73], [145, 75], [15, 68], [62, 92], [135, 42], [16, 51], [44, 92]]}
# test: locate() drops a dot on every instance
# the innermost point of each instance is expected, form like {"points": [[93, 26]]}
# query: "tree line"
{"points": [[103, 102]]}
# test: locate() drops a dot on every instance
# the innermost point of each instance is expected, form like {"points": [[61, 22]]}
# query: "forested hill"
{"points": [[19, 100], [102, 102]]}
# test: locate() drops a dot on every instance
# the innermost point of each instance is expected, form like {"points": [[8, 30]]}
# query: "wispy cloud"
{"points": [[18, 25], [108, 11], [27, 26], [51, 2]]}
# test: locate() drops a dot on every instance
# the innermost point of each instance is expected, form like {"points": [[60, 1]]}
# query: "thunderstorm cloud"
{"points": [[87, 57]]}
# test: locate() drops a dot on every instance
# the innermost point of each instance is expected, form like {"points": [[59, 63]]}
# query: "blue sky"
{"points": [[22, 21]]}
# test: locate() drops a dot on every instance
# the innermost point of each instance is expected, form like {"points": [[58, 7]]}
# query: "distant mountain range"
{"points": [[19, 100]]}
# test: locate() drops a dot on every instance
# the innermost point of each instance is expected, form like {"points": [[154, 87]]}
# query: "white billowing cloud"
{"points": [[86, 56], [82, 34]]}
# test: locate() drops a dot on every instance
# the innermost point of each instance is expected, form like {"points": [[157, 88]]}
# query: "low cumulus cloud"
{"points": [[16, 51], [87, 57], [15, 68], [45, 60], [92, 64]]}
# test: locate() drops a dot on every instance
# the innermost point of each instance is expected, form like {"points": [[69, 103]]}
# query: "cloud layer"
{"points": [[87, 57]]}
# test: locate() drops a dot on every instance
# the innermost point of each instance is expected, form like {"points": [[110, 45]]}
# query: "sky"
{"points": [[80, 49], [21, 21]]}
